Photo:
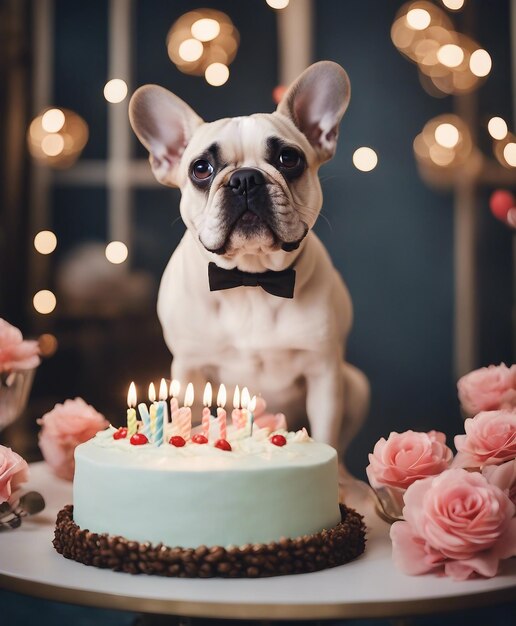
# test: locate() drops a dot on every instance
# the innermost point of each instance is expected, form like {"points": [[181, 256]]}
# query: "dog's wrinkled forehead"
{"points": [[244, 141]]}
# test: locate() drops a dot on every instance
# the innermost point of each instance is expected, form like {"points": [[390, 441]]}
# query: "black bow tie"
{"points": [[279, 284]]}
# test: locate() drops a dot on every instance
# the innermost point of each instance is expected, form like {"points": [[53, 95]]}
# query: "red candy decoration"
{"points": [[501, 202], [278, 440], [223, 444], [138, 439], [177, 441], [121, 433], [199, 439]]}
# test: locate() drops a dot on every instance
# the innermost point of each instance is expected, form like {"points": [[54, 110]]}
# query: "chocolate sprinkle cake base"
{"points": [[309, 553]]}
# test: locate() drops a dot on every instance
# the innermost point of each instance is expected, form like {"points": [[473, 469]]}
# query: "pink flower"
{"points": [[268, 420], [490, 439], [406, 457], [15, 353], [13, 471], [456, 523], [63, 429], [504, 477], [488, 389]]}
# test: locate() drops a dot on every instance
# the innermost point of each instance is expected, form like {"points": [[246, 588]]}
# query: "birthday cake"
{"points": [[260, 503]]}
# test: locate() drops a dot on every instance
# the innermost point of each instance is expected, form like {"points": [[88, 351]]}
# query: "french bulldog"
{"points": [[250, 295]]}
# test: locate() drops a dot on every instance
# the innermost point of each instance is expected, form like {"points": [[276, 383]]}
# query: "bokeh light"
{"points": [[216, 74], [115, 90], [418, 19], [191, 50], [278, 4], [116, 252], [44, 301], [450, 55], [52, 144], [480, 63], [365, 159], [45, 242], [205, 29], [447, 135], [509, 153], [47, 344], [453, 5], [53, 120], [497, 128]]}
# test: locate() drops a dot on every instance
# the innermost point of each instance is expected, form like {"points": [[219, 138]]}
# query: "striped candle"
{"points": [[163, 394], [206, 412], [144, 414], [183, 422], [160, 423], [221, 413], [152, 409], [236, 414], [175, 388]]}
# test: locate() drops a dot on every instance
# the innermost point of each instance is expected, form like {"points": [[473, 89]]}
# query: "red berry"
{"points": [[223, 444], [121, 433], [177, 441], [199, 439], [278, 440], [139, 439]]}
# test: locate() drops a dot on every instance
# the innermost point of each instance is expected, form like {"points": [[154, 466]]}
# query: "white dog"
{"points": [[278, 320]]}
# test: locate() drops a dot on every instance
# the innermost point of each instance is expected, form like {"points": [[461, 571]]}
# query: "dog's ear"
{"points": [[316, 102], [164, 124]]}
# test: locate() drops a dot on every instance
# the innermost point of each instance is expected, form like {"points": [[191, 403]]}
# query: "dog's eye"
{"points": [[289, 158], [202, 169]]}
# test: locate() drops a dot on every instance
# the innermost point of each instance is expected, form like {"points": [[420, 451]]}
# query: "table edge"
{"points": [[397, 608]]}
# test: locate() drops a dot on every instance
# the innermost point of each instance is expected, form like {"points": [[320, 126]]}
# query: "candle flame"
{"points": [[131, 395], [236, 398], [207, 396], [222, 396], [163, 391], [246, 398], [175, 388], [189, 395], [152, 393], [252, 405]]}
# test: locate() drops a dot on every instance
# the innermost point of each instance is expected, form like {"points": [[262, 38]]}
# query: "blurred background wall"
{"points": [[428, 267]]}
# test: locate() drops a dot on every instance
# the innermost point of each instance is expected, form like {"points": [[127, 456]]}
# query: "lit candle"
{"points": [[182, 420], [144, 414], [236, 415], [132, 424], [221, 412], [163, 394], [251, 408], [175, 388], [206, 413], [152, 409]]}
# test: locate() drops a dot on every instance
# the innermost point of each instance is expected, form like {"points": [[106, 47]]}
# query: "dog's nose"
{"points": [[245, 179]]}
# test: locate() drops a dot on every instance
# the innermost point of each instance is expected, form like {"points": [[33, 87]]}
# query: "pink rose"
{"points": [[63, 429], [15, 353], [268, 420], [456, 523], [504, 477], [488, 389], [490, 439], [406, 457], [13, 471]]}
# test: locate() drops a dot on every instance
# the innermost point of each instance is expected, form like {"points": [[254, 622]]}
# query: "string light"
{"points": [[418, 19], [115, 90], [44, 301], [53, 120], [497, 128], [216, 74], [45, 242], [191, 50], [116, 252], [480, 63], [447, 135], [205, 29], [365, 159], [450, 55]]}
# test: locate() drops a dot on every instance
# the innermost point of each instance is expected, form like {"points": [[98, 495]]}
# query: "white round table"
{"points": [[367, 587]]}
